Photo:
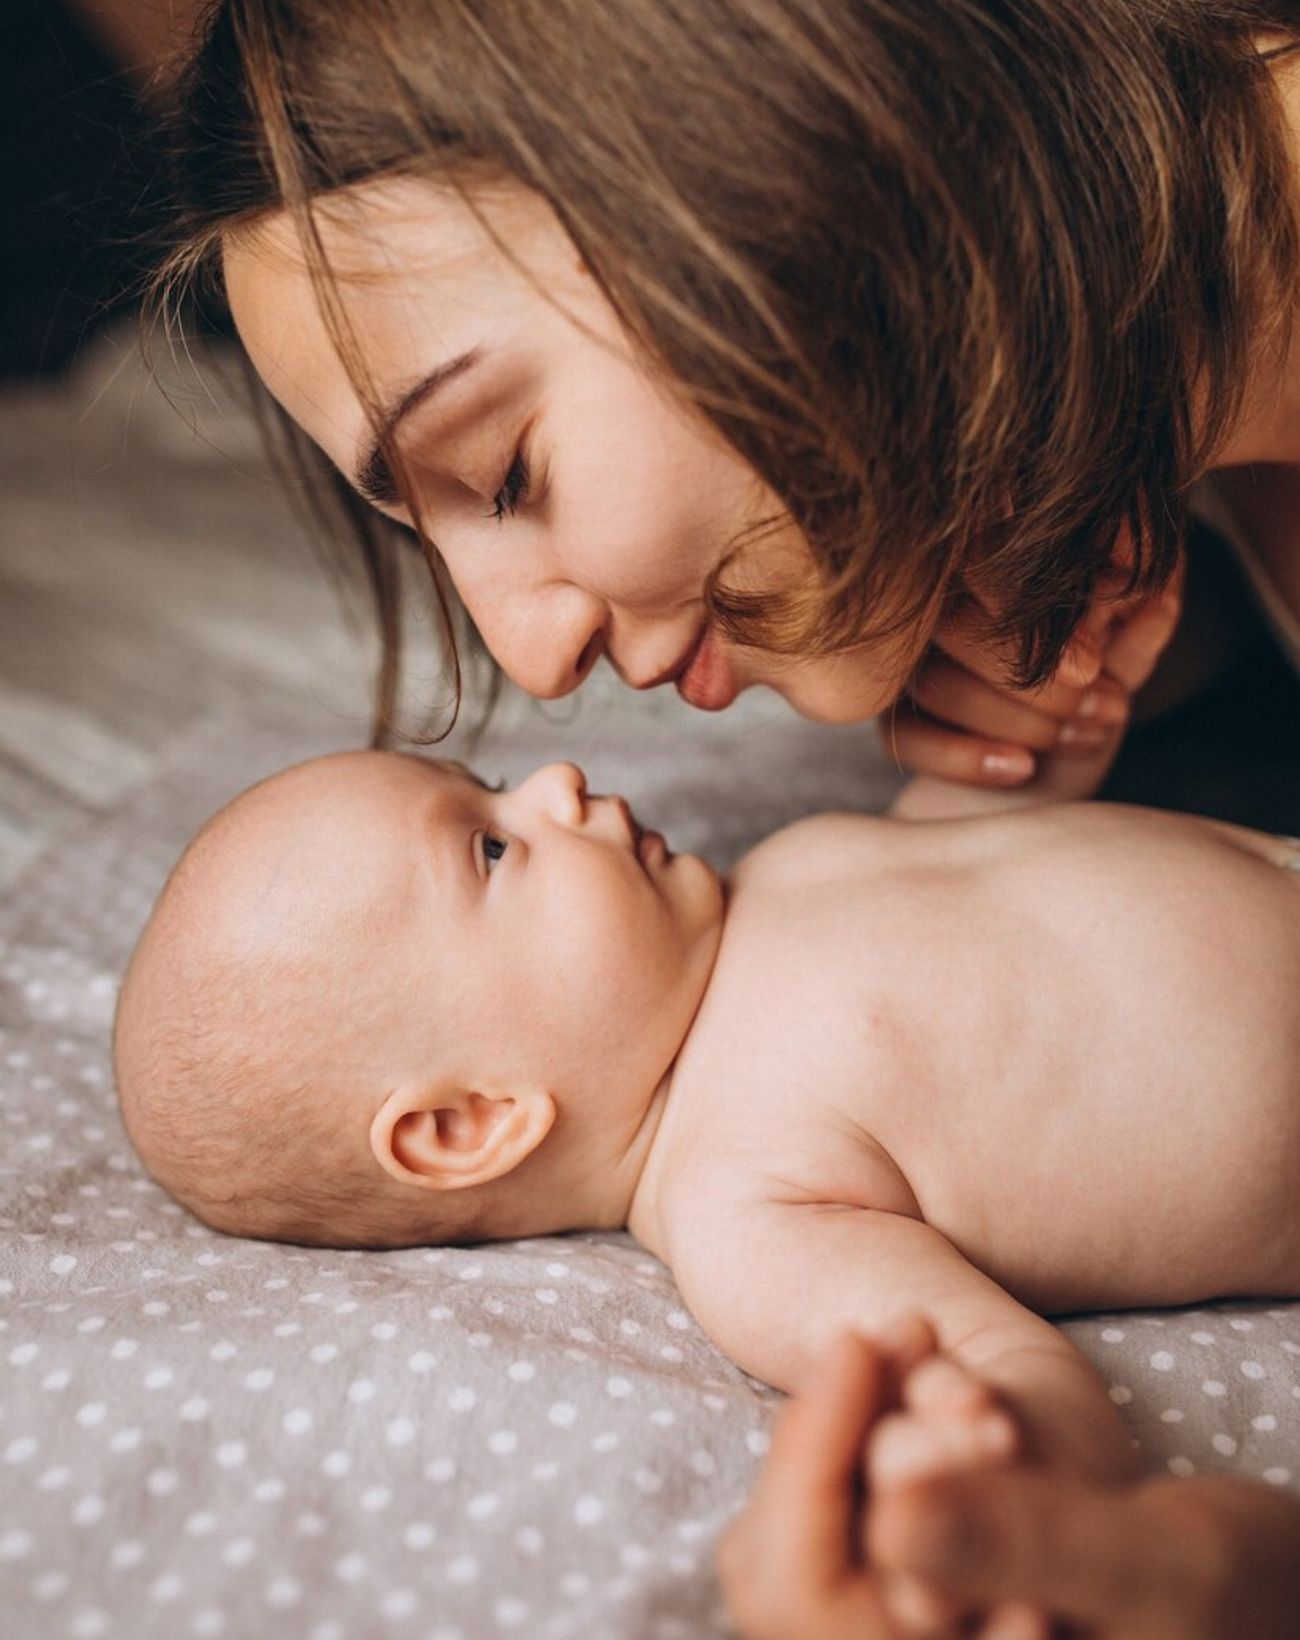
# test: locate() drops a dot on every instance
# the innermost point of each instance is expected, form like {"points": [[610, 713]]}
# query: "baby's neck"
{"points": [[601, 1179], [642, 1202], [629, 1186]]}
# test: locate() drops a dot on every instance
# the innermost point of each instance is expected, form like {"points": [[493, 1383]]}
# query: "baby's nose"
{"points": [[562, 787]]}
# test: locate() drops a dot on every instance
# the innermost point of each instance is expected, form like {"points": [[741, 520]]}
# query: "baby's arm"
{"points": [[791, 1277]]}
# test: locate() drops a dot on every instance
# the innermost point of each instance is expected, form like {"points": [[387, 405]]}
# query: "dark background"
{"points": [[81, 163]]}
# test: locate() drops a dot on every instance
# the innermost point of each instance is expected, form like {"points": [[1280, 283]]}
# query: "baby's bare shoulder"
{"points": [[819, 844]]}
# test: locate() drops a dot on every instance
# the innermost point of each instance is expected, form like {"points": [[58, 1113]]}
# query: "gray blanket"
{"points": [[214, 1437], [208, 1437]]}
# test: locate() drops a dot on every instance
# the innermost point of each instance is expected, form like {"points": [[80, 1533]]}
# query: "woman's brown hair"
{"points": [[960, 279]]}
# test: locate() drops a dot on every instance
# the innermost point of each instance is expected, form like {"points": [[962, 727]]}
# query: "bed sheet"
{"points": [[212, 1437]]}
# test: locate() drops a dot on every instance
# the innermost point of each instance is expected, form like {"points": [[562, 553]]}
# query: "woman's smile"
{"points": [[634, 505], [707, 679]]}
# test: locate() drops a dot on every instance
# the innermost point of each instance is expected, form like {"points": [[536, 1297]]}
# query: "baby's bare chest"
{"points": [[1070, 1098]]}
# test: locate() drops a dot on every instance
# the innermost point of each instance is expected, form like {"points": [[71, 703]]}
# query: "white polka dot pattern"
{"points": [[205, 1437], [1243, 1417]]}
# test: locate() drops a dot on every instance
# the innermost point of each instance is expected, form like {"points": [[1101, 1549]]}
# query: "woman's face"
{"points": [[579, 507]]}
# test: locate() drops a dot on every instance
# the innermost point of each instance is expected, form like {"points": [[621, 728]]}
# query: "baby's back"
{"points": [[1068, 1038]]}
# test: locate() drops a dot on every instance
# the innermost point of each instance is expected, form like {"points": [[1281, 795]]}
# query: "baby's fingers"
{"points": [[908, 1448], [940, 1385], [924, 1613]]}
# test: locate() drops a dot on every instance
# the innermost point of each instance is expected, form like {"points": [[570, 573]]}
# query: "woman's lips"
{"points": [[707, 681]]}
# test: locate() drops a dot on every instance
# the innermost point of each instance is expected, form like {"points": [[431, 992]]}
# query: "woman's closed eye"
{"points": [[514, 489]]}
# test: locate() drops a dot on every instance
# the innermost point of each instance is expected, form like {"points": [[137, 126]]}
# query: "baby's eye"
{"points": [[493, 847]]}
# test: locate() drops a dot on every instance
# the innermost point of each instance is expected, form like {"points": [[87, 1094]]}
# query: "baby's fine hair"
{"points": [[958, 281], [225, 1113]]}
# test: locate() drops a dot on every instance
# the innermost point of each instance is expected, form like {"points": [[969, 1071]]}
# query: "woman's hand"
{"points": [[961, 721], [791, 1563], [1210, 1558]]}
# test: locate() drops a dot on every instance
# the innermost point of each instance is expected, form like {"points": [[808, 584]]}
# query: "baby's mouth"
{"points": [[649, 847]]}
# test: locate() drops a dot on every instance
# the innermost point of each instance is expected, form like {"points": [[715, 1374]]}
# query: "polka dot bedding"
{"points": [[202, 1436]]}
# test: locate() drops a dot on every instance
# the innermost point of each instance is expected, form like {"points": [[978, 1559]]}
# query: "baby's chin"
{"points": [[708, 894]]}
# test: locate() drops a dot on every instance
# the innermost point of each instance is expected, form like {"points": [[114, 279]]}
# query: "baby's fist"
{"points": [[950, 1421]]}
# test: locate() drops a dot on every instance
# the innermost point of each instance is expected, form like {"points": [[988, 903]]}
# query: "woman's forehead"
{"points": [[402, 229]]}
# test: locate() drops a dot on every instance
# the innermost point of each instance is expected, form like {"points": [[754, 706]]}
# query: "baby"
{"points": [[1022, 1061]]}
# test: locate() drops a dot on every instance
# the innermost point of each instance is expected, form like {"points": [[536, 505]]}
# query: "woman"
{"points": [[869, 351]]}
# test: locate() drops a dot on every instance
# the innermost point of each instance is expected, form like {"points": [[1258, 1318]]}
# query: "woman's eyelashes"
{"points": [[514, 489]]}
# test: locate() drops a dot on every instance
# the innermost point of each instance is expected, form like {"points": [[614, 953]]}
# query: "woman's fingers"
{"points": [[951, 694], [923, 746], [961, 721], [965, 642], [1014, 1620], [1142, 639], [1202, 1559], [789, 1564], [1018, 1534], [920, 1612]]}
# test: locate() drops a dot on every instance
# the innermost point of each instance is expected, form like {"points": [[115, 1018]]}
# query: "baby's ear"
{"points": [[449, 1138]]}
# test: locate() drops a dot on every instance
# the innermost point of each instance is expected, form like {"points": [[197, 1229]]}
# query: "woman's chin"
{"points": [[832, 705], [852, 687]]}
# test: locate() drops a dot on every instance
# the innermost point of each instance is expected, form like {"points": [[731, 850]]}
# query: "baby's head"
{"points": [[378, 1004]]}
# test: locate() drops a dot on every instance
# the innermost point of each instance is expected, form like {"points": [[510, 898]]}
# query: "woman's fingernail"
{"points": [[1082, 737], [1105, 705], [1007, 767]]}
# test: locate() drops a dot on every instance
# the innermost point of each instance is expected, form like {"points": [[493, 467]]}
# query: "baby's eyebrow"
{"points": [[464, 768]]}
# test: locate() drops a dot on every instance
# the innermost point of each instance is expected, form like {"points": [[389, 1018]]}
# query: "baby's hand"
{"points": [[950, 1421]]}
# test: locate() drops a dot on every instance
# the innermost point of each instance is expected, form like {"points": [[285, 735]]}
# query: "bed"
{"points": [[210, 1437]]}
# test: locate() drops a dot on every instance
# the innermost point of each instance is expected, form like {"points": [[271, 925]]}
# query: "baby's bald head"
{"points": [[250, 1032]]}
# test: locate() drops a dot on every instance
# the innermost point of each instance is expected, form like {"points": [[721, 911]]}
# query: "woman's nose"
{"points": [[552, 642], [561, 791]]}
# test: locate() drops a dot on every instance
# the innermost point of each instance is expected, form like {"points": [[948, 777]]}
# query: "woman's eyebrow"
{"points": [[373, 476]]}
